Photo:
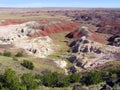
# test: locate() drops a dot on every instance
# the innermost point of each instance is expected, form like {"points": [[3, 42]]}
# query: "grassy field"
{"points": [[40, 65], [61, 47], [8, 62]]}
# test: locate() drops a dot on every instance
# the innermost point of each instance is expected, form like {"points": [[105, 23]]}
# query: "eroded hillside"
{"points": [[77, 38]]}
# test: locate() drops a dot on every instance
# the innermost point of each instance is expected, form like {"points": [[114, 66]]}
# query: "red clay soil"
{"points": [[51, 26], [11, 22], [94, 36], [56, 27]]}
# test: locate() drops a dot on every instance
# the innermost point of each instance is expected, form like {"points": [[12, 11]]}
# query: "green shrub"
{"points": [[7, 53], [4, 89], [55, 80], [75, 78], [93, 77], [23, 87], [19, 54], [15, 59], [10, 80], [28, 64], [29, 81]]}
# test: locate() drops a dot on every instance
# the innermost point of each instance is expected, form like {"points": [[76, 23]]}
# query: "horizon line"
{"points": [[60, 7]]}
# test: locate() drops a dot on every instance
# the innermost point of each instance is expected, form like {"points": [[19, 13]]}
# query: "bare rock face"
{"points": [[19, 36], [89, 53], [73, 69], [39, 47], [61, 64], [114, 40]]}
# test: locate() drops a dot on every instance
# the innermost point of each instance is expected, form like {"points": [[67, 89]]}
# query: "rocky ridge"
{"points": [[89, 53]]}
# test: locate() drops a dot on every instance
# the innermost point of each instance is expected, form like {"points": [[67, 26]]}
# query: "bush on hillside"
{"points": [[55, 80], [28, 79], [75, 78], [19, 54], [7, 53], [28, 64], [9, 81], [93, 77]]}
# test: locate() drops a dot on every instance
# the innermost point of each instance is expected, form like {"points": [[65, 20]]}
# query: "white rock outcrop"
{"points": [[18, 35], [61, 64]]}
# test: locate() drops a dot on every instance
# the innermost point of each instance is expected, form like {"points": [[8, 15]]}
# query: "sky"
{"points": [[61, 3]]}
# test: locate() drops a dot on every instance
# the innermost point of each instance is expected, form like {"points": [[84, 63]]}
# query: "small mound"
{"points": [[84, 31]]}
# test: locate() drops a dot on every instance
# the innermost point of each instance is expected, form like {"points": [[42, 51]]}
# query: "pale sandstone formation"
{"points": [[19, 36], [61, 64]]}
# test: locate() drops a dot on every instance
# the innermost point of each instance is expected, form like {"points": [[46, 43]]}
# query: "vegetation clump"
{"points": [[55, 80], [93, 77], [28, 81], [74, 78], [10, 81], [19, 54], [28, 64], [7, 53]]}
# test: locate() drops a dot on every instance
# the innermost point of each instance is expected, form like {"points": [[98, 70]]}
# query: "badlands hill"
{"points": [[85, 37], [89, 51], [33, 36]]}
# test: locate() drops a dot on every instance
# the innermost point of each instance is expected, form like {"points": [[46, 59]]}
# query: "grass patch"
{"points": [[15, 59], [109, 65], [41, 64], [61, 46], [55, 88], [59, 55]]}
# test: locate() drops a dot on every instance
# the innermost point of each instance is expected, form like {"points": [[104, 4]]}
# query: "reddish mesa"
{"points": [[50, 27], [93, 36]]}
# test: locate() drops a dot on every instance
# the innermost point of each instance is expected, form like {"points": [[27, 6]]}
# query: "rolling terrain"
{"points": [[59, 40]]}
